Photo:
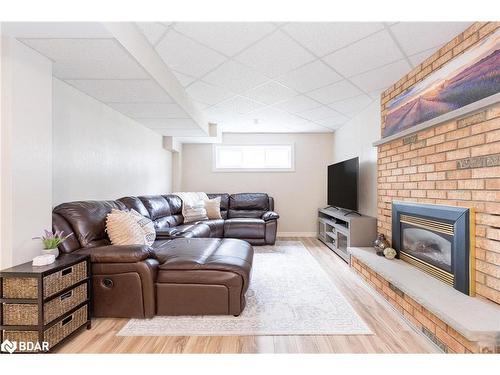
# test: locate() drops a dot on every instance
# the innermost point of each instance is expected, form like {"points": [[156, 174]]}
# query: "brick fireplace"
{"points": [[456, 163]]}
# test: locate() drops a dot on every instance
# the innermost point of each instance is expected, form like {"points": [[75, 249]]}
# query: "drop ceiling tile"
{"points": [[369, 53], [382, 77], [416, 37], [352, 106], [325, 37], [184, 79], [186, 56], [228, 38], [235, 77], [55, 30], [333, 122], [150, 110], [270, 93], [318, 113], [337, 91], [98, 69], [298, 103], [238, 105], [123, 91], [153, 31], [169, 123], [275, 55], [88, 58], [310, 77], [208, 94]]}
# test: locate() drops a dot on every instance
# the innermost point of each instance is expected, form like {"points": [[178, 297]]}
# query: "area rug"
{"points": [[289, 294]]}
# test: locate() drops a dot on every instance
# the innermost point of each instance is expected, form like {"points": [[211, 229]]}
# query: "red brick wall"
{"points": [[425, 167]]}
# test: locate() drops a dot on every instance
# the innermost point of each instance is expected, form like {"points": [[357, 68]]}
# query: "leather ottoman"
{"points": [[203, 276]]}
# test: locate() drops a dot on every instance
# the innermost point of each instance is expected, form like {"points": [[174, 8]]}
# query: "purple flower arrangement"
{"points": [[51, 240]]}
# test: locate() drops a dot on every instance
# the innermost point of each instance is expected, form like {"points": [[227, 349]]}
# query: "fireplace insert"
{"points": [[436, 239]]}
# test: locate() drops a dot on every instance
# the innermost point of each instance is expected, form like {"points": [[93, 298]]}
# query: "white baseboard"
{"points": [[297, 234]]}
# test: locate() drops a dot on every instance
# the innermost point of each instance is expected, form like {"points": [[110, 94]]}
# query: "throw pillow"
{"points": [[147, 226], [213, 208], [123, 229], [195, 212]]}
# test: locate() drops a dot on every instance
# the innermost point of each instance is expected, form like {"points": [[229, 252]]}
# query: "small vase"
{"points": [[51, 252], [380, 244]]}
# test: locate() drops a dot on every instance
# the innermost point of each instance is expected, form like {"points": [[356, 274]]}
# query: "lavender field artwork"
{"points": [[470, 77]]}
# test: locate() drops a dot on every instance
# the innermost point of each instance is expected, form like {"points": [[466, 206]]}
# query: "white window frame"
{"points": [[216, 147]]}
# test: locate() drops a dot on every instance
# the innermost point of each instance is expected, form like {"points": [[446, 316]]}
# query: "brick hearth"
{"points": [[443, 335]]}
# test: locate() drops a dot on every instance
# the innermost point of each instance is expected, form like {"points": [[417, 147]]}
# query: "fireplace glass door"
{"points": [[429, 246]]}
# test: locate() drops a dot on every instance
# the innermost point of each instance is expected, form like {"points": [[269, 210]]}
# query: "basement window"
{"points": [[253, 158]]}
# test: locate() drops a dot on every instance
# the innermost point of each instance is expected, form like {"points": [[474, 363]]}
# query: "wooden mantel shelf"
{"points": [[474, 318]]}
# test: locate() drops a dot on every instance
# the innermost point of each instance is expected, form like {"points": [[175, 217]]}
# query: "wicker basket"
{"points": [[60, 280], [66, 326], [55, 333], [25, 336], [20, 314], [27, 314], [20, 287]]}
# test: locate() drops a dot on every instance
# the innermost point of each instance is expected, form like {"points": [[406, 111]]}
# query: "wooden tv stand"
{"points": [[340, 229]]}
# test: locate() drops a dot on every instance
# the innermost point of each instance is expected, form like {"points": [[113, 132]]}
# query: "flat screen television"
{"points": [[343, 184]]}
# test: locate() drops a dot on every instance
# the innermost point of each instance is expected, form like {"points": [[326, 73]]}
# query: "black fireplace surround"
{"points": [[436, 239]]}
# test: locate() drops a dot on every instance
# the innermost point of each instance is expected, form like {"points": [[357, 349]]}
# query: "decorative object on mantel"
{"points": [[471, 77], [51, 240], [380, 244], [390, 253]]}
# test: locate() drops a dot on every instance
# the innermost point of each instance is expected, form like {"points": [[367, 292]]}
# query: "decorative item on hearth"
{"points": [[51, 240], [380, 244], [390, 253]]}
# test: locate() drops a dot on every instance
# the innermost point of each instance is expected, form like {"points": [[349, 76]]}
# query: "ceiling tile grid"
{"points": [[299, 76]]}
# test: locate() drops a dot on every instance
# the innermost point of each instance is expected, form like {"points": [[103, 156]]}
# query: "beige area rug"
{"points": [[289, 294]]}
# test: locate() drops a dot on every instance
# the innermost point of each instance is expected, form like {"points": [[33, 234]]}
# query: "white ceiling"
{"points": [[305, 77], [246, 77]]}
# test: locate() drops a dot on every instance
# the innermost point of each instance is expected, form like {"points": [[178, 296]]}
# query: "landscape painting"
{"points": [[472, 76]]}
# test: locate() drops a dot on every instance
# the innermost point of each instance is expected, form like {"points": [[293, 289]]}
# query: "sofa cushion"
{"points": [[175, 204], [194, 230], [244, 228], [156, 205], [216, 227], [135, 204], [228, 255], [251, 205], [88, 220], [118, 253]]}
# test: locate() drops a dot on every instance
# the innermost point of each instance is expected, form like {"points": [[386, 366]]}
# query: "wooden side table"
{"points": [[43, 306]]}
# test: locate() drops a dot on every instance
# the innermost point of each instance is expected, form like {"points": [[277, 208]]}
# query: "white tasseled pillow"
{"points": [[123, 229]]}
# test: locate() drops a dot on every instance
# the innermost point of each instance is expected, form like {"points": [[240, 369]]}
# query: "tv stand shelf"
{"points": [[339, 230]]}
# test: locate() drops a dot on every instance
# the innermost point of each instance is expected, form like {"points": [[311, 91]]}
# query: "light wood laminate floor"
{"points": [[391, 334]]}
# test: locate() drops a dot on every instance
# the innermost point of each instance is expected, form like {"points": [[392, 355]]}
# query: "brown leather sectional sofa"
{"points": [[194, 268]]}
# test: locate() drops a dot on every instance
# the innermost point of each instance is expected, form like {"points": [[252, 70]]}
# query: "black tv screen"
{"points": [[343, 184]]}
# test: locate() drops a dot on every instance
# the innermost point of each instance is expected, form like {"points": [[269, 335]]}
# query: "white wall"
{"points": [[102, 154], [298, 194], [26, 163], [355, 138]]}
